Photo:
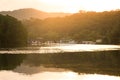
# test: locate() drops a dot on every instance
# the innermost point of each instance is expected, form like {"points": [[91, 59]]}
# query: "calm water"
{"points": [[84, 62], [61, 48]]}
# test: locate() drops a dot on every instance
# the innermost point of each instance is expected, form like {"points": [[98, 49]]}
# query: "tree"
{"points": [[12, 33], [80, 26]]}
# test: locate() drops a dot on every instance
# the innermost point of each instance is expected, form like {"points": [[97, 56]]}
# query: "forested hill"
{"points": [[28, 13], [83, 26]]}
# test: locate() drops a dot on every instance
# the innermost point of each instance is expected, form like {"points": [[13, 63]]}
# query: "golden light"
{"points": [[99, 77], [61, 5], [73, 6], [54, 76]]}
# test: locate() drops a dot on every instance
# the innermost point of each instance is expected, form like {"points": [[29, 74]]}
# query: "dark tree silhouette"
{"points": [[12, 32]]}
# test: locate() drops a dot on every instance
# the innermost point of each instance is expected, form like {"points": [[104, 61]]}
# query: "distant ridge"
{"points": [[28, 13]]}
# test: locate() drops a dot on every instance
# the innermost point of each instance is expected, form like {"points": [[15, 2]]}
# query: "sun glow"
{"points": [[61, 5], [73, 6], [67, 6]]}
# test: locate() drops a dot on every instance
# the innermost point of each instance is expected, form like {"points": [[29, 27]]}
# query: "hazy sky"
{"points": [[61, 5]]}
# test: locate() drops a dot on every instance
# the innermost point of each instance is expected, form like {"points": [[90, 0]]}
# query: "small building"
{"points": [[69, 41], [35, 42], [88, 42], [99, 41]]}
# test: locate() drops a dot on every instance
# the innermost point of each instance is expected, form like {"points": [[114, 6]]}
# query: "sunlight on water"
{"points": [[98, 77], [63, 48], [78, 48], [83, 47], [9, 75]]}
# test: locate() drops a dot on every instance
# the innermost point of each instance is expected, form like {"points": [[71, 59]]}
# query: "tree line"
{"points": [[82, 26]]}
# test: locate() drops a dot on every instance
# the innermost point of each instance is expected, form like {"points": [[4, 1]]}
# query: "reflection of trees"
{"points": [[10, 61], [85, 62], [106, 62]]}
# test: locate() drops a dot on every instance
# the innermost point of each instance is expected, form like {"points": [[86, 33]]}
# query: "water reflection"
{"points": [[7, 75], [105, 62], [8, 61], [26, 69], [98, 65]]}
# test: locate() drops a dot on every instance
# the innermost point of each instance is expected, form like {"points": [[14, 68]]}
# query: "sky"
{"points": [[67, 6]]}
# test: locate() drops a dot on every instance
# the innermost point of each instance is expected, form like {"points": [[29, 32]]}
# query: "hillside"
{"points": [[83, 26], [32, 13]]}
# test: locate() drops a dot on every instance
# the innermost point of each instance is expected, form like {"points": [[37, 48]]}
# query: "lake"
{"points": [[61, 62]]}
